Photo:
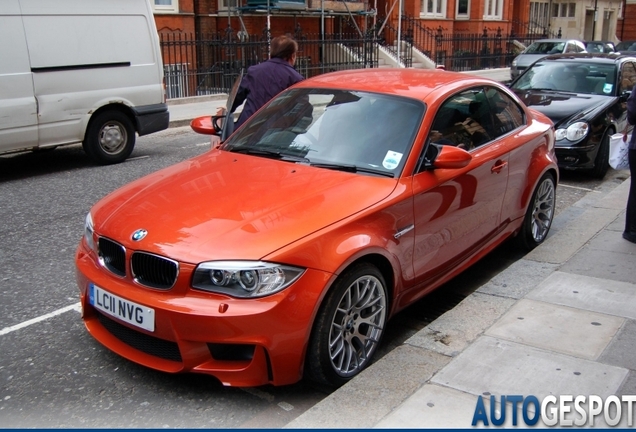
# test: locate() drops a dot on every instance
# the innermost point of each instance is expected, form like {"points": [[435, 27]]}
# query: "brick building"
{"points": [[582, 19]]}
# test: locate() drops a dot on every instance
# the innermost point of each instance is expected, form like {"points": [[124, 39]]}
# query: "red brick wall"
{"points": [[626, 28]]}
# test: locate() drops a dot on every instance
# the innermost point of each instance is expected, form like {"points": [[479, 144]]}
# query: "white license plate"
{"points": [[125, 310]]}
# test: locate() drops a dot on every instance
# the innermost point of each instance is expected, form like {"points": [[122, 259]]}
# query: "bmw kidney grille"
{"points": [[148, 269]]}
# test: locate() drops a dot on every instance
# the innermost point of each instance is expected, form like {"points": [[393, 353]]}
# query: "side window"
{"points": [[508, 116], [628, 77], [464, 121]]}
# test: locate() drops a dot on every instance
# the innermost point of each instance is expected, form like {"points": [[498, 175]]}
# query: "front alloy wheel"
{"points": [[349, 326], [540, 213]]}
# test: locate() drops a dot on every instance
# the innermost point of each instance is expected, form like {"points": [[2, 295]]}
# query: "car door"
{"points": [[457, 211], [626, 82], [18, 109]]}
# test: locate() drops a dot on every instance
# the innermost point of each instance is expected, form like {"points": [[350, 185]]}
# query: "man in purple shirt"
{"points": [[630, 215], [265, 80]]}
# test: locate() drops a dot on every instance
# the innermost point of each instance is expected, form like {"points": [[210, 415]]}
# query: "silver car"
{"points": [[542, 48]]}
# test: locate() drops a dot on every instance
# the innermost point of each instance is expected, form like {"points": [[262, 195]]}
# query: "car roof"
{"points": [[603, 42], [412, 83], [551, 40], [591, 57]]}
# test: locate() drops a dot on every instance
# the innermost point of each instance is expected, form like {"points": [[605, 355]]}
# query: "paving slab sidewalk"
{"points": [[562, 320]]}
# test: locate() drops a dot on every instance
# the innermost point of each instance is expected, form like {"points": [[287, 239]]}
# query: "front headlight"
{"points": [[89, 233], [244, 279], [514, 62], [574, 132]]}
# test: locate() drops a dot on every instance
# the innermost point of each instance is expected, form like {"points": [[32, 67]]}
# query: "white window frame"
{"points": [[173, 7], [425, 13], [493, 9], [462, 16], [223, 4]]}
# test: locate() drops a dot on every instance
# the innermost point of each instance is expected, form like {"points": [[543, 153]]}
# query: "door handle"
{"points": [[498, 166]]}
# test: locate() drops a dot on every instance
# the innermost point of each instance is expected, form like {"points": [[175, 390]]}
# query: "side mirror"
{"points": [[451, 157], [625, 95], [208, 125]]}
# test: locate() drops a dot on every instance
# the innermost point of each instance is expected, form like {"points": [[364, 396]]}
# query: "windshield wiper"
{"points": [[270, 154], [352, 168]]}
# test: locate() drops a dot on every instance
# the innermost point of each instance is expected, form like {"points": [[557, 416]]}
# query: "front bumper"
{"points": [[241, 342], [573, 157]]}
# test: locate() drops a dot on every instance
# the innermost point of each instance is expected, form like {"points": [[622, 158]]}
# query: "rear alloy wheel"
{"points": [[539, 215], [110, 138], [349, 326], [601, 161]]}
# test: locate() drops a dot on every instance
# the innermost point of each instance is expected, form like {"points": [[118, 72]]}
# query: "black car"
{"points": [[624, 46], [584, 95]]}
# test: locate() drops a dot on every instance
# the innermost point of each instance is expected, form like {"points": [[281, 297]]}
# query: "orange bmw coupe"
{"points": [[283, 252]]}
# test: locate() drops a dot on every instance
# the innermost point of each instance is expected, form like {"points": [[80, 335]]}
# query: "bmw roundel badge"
{"points": [[139, 234]]}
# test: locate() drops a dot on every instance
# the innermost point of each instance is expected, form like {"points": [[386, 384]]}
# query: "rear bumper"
{"points": [[151, 118]]}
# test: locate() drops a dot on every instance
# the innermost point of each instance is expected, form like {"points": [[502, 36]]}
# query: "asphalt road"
{"points": [[53, 374]]}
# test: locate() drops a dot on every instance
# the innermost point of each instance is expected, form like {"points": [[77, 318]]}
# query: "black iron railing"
{"points": [[196, 65]]}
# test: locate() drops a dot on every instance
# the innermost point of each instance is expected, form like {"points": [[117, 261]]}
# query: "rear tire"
{"points": [[539, 215], [348, 327], [110, 138]]}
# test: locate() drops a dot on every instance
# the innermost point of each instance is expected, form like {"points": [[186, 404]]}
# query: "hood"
{"points": [[224, 205], [562, 106]]}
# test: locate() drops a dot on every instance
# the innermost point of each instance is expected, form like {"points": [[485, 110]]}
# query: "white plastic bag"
{"points": [[619, 144]]}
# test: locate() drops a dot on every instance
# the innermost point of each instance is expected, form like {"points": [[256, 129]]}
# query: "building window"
{"points": [[538, 16], [224, 4], [165, 5], [463, 8], [555, 10], [494, 9], [572, 10], [433, 9]]}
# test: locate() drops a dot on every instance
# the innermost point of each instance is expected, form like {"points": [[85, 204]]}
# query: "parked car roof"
{"points": [[541, 48]]}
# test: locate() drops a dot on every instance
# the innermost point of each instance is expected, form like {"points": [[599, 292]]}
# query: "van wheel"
{"points": [[348, 327], [110, 138]]}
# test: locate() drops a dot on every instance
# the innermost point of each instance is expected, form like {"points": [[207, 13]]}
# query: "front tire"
{"points": [[601, 161], [348, 327], [110, 138], [540, 213]]}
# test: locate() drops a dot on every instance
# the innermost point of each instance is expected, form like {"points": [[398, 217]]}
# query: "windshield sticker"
{"points": [[391, 160], [607, 88]]}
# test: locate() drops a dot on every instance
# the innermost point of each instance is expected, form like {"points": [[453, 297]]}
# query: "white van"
{"points": [[79, 71]]}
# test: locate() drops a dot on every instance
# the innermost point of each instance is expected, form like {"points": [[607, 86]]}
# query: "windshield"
{"points": [[545, 48], [336, 129], [571, 77]]}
